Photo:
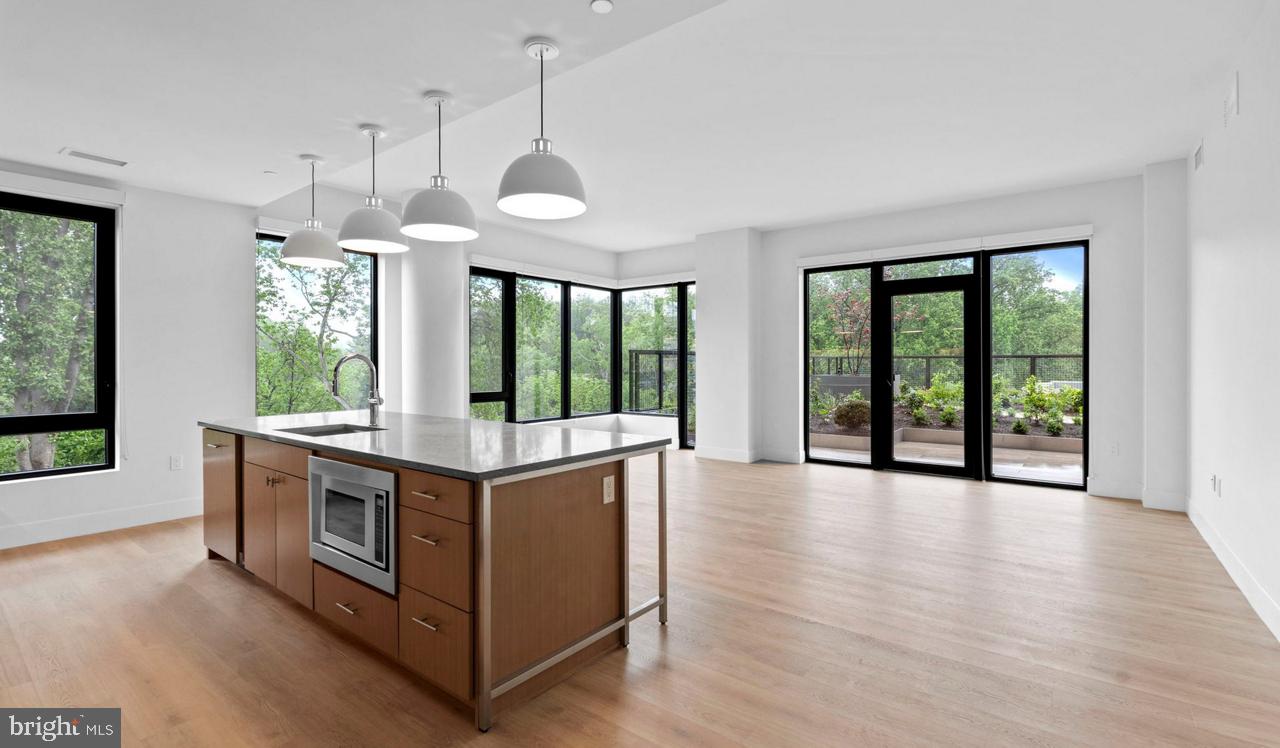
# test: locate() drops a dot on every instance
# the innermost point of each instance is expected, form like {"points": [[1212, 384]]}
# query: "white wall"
{"points": [[1234, 247], [1115, 298], [1164, 296], [658, 265], [185, 329], [728, 264]]}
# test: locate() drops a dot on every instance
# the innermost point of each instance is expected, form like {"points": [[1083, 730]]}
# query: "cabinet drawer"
{"points": [[437, 644], [435, 556], [221, 494], [361, 610], [436, 494], [282, 457]]}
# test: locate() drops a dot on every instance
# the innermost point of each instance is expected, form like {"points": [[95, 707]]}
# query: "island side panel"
{"points": [[557, 561]]}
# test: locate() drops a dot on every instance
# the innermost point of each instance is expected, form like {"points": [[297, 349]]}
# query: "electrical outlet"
{"points": [[175, 462], [608, 489]]}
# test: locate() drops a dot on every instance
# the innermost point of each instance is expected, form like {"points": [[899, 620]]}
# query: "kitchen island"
{"points": [[508, 558]]}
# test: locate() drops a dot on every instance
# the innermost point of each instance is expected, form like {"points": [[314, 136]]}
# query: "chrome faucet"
{"points": [[375, 399]]}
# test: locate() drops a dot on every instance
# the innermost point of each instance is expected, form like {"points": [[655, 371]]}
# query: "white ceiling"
{"points": [[758, 113], [201, 97]]}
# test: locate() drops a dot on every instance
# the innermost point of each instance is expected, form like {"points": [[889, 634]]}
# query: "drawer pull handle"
{"points": [[427, 496], [431, 626], [211, 445], [428, 540], [346, 609]]}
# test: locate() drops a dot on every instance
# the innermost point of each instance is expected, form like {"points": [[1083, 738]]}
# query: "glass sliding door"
{"points": [[1037, 365], [838, 364], [928, 340], [925, 374]]}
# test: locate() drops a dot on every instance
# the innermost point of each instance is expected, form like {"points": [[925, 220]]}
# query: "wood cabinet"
{"points": [[277, 532], [436, 494], [365, 612], [260, 522], [293, 538], [435, 641], [221, 493], [435, 556]]}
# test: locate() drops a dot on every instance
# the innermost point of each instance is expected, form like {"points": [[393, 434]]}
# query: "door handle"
{"points": [[428, 539], [426, 624], [346, 609], [211, 445], [427, 496]]}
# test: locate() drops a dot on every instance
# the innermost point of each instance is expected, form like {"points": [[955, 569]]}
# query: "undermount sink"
{"points": [[331, 429]]}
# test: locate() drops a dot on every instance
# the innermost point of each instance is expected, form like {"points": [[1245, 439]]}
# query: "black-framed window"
{"points": [[1001, 333], [306, 320], [546, 349], [590, 350], [57, 337]]}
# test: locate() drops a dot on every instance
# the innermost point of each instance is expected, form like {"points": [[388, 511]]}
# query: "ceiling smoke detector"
{"points": [[92, 157]]}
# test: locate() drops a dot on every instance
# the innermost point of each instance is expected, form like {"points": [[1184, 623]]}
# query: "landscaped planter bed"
{"points": [[831, 436]]}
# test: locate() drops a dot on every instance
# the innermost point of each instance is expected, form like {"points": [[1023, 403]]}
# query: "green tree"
{"points": [[306, 321], [47, 317]]}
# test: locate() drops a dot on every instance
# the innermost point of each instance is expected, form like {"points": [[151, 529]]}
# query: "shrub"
{"points": [[823, 403], [912, 399], [1020, 427], [1053, 425], [949, 415], [1035, 399], [853, 414], [920, 416], [944, 392], [1071, 400]]}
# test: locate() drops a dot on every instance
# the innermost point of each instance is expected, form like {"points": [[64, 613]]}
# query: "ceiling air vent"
{"points": [[92, 157]]}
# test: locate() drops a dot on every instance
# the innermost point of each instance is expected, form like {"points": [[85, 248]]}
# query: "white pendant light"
{"points": [[310, 246], [438, 214], [372, 228], [541, 184]]}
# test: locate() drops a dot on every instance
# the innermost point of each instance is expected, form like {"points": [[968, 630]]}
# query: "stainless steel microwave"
{"points": [[353, 521]]}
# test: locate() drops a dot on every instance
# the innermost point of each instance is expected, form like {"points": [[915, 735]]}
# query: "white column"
{"points": [[1164, 296], [433, 329], [729, 314]]}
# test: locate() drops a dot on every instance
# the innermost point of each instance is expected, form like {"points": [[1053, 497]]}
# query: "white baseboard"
{"points": [[1169, 501], [720, 453], [1265, 605], [12, 536], [1112, 489]]}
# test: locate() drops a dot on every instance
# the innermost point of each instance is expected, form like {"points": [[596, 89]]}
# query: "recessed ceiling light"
{"points": [[602, 6]]}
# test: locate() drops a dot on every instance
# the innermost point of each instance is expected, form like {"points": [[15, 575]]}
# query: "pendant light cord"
{"points": [[373, 164], [313, 189], [440, 136], [542, 84]]}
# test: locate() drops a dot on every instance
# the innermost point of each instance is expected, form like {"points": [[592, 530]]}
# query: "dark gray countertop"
{"points": [[458, 447]]}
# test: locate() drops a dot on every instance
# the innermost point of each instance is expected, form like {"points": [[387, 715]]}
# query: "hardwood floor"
{"points": [[811, 605]]}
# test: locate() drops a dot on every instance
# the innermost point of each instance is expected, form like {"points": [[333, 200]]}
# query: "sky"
{"points": [[1067, 265]]}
